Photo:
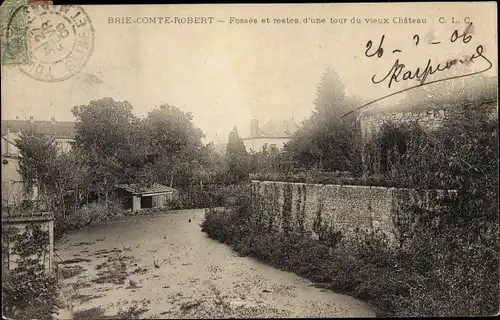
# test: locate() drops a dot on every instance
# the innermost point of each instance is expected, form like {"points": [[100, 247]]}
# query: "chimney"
{"points": [[53, 120], [32, 119], [254, 128]]}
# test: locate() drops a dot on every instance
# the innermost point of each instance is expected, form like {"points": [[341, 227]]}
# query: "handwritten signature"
{"points": [[399, 71]]}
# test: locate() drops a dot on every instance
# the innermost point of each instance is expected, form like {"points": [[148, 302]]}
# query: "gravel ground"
{"points": [[163, 266]]}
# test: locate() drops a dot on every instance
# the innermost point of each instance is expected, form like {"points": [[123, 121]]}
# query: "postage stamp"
{"points": [[60, 42], [13, 39]]}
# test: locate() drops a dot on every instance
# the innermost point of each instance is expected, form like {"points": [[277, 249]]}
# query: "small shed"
{"points": [[140, 196]]}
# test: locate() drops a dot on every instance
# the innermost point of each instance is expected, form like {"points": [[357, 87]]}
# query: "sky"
{"points": [[228, 74]]}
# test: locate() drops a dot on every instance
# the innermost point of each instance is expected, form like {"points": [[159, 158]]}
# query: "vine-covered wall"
{"points": [[314, 209], [19, 235], [29, 287]]}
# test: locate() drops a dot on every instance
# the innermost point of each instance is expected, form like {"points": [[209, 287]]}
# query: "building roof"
{"points": [[59, 129], [276, 128], [137, 188], [279, 128]]}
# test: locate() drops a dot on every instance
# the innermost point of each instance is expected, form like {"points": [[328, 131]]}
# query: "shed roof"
{"points": [[145, 189]]}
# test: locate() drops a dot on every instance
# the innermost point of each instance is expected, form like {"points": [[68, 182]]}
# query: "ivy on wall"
{"points": [[300, 209], [287, 208], [28, 290]]}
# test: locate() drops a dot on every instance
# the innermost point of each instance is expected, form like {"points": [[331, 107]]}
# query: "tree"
{"points": [[104, 125], [214, 163], [177, 149], [36, 164], [330, 96], [237, 157], [121, 148], [110, 140], [55, 175], [326, 140]]}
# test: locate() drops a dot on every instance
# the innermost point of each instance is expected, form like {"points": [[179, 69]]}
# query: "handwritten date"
{"points": [[400, 72]]}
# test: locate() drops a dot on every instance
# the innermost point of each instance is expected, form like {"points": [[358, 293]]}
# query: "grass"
{"points": [[86, 297], [71, 271], [133, 312], [113, 271], [75, 260]]}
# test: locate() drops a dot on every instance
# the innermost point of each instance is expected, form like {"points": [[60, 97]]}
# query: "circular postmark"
{"points": [[60, 41]]}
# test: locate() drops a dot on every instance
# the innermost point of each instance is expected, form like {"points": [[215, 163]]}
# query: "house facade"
{"points": [[273, 134], [12, 181], [63, 134]]}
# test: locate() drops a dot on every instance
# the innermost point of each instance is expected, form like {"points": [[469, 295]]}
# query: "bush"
{"points": [[208, 196], [93, 213], [446, 264]]}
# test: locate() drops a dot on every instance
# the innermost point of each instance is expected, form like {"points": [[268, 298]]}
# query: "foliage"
{"points": [[204, 196], [118, 147], [53, 173], [94, 212], [37, 153], [175, 145], [332, 264], [327, 141], [388, 148], [28, 291], [457, 246], [447, 259], [106, 141], [237, 158], [270, 161], [113, 146]]}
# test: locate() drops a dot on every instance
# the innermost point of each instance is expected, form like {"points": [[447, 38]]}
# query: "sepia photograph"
{"points": [[208, 161]]}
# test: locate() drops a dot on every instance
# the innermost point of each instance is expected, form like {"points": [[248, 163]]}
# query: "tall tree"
{"points": [[175, 143], [104, 125], [330, 96], [106, 135], [237, 158], [326, 140], [235, 145], [55, 175], [36, 165]]}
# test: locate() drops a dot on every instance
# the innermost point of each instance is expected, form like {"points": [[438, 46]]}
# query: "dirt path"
{"points": [[163, 266]]}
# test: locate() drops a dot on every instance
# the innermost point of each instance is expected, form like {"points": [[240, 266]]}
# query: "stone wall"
{"points": [[428, 119], [345, 208]]}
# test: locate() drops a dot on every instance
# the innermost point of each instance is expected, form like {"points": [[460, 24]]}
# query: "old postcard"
{"points": [[236, 161]]}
